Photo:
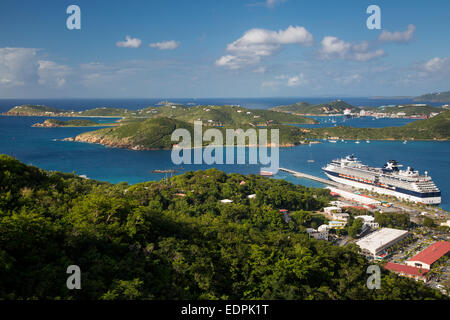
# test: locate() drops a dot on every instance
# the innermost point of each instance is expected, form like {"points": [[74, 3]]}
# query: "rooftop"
{"points": [[405, 269], [432, 253], [377, 239]]}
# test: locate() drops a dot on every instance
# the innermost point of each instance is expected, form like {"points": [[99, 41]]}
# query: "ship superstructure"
{"points": [[390, 180]]}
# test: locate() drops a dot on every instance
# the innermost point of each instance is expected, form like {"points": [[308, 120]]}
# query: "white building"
{"points": [[341, 216], [318, 235], [369, 221], [377, 242], [332, 210]]}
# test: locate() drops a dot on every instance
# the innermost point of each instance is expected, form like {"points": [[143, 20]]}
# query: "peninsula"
{"points": [[54, 123]]}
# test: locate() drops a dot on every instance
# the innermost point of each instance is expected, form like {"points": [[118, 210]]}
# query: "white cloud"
{"points": [[272, 3], [165, 45], [129, 43], [297, 81], [398, 36], [286, 80], [437, 65], [260, 70], [51, 73], [335, 48], [258, 43], [18, 66]]}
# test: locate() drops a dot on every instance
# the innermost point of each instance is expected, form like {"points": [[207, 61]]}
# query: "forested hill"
{"points": [[211, 115], [173, 239], [434, 97], [435, 128], [333, 107], [156, 133]]}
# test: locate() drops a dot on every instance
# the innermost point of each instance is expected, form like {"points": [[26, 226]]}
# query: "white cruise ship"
{"points": [[390, 180]]}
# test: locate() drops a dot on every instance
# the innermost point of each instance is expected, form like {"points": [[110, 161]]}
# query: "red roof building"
{"points": [[407, 271], [430, 255]]}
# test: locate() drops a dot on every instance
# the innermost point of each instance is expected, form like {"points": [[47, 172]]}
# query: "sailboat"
{"points": [[310, 154]]}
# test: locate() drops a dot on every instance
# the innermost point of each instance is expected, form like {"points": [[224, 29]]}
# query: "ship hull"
{"points": [[433, 200]]}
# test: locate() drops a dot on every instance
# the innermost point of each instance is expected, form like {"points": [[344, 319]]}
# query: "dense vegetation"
{"points": [[156, 134], [333, 107], [396, 220], [211, 115], [435, 97], [173, 239], [69, 123], [224, 115], [437, 127]]}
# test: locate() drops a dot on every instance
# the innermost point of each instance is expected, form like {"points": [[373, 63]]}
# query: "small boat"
{"points": [[357, 141], [265, 173], [368, 141], [332, 141], [311, 161], [404, 142]]}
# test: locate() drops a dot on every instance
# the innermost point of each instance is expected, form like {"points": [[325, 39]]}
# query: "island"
{"points": [[434, 97], [435, 128], [55, 123], [45, 111], [211, 115], [331, 108], [155, 134]]}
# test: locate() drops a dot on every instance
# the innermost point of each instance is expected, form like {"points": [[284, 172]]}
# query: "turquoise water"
{"points": [[36, 146]]}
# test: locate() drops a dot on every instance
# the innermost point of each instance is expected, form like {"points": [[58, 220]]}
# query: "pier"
{"points": [[310, 177]]}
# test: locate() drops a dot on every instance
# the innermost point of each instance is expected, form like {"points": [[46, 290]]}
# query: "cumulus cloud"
{"points": [[398, 36], [272, 3], [286, 80], [335, 48], [165, 45], [437, 65], [18, 66], [258, 43], [129, 43], [296, 81], [52, 73]]}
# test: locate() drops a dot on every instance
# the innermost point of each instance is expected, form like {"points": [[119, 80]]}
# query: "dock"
{"points": [[310, 177]]}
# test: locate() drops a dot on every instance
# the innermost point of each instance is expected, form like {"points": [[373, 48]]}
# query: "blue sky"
{"points": [[223, 48]]}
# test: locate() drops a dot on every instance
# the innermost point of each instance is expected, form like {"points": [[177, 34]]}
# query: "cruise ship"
{"points": [[390, 180]]}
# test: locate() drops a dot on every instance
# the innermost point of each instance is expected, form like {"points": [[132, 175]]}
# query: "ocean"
{"points": [[40, 146]]}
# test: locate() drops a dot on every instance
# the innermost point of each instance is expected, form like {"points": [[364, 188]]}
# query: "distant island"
{"points": [[54, 123], [155, 134], [434, 97], [435, 128], [339, 107], [45, 111], [210, 115], [330, 108]]}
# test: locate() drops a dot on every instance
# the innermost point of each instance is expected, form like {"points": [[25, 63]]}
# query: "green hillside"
{"points": [[333, 107], [434, 97], [174, 239], [437, 127], [156, 134], [411, 109], [224, 115], [107, 112], [34, 110], [69, 123]]}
